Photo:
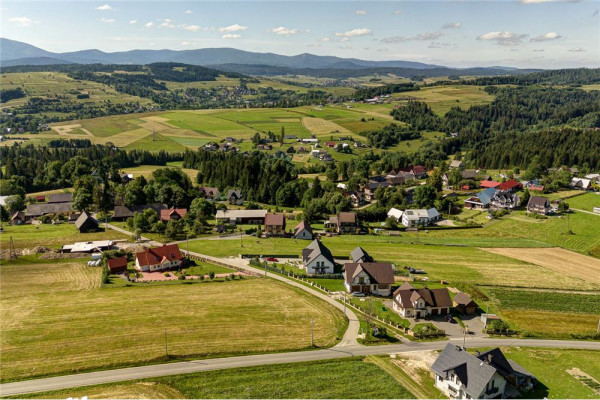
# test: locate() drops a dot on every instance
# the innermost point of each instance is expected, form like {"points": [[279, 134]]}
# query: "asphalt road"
{"points": [[151, 371], [348, 347]]}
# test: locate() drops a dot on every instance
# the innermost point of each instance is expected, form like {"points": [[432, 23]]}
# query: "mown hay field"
{"points": [[57, 320]]}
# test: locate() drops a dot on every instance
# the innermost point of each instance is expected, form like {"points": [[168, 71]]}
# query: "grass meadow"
{"points": [[354, 377], [442, 98], [56, 319]]}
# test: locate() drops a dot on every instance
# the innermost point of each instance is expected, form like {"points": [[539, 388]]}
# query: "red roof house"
{"points": [[489, 184], [172, 213], [116, 265], [536, 187], [40, 199], [330, 144], [158, 258], [509, 185]]}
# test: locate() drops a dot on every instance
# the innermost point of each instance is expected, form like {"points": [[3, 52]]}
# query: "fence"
{"points": [[223, 264]]}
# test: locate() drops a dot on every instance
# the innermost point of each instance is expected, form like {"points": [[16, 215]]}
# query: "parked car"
{"points": [[358, 294], [272, 259]]}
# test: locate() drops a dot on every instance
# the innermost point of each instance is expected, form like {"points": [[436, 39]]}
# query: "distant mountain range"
{"points": [[14, 53]]}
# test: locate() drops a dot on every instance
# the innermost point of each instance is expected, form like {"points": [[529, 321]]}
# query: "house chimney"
{"points": [[489, 357], [477, 353]]}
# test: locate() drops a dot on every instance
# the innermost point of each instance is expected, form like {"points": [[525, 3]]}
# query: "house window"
{"points": [[361, 280]]}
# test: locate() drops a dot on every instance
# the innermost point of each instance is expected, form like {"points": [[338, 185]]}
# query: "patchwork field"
{"points": [[557, 259], [353, 377], [56, 319], [442, 98]]}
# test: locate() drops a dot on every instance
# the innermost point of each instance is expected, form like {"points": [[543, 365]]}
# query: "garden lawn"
{"points": [[354, 378], [550, 366], [55, 319], [27, 236], [585, 202]]}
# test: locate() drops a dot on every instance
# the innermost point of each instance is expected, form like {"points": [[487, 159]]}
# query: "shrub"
{"points": [[211, 275], [166, 274], [181, 277]]}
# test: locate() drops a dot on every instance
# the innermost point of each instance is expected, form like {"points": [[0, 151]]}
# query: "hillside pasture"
{"points": [[57, 320], [442, 98]]}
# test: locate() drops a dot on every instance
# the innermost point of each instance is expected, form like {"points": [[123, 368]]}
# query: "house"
{"points": [[117, 265], [158, 258], [539, 205], [303, 231], [324, 156], [488, 375], [37, 210], [358, 198], [579, 183], [538, 188], [317, 259], [250, 217], [60, 198], [174, 214], [211, 193], [85, 223], [40, 198], [410, 302], [464, 304], [395, 180], [505, 200], [509, 185], [419, 171], [371, 187], [274, 224], [395, 213], [344, 222], [235, 197], [489, 184], [482, 199], [456, 164], [359, 255], [593, 177], [466, 175], [330, 144], [121, 213], [369, 277], [18, 218], [412, 218]]}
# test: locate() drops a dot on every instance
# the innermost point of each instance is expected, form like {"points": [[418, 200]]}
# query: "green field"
{"points": [[442, 98], [353, 378], [56, 319], [550, 366], [451, 263], [54, 236], [585, 202]]}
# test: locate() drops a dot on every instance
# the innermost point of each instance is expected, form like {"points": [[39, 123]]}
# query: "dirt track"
{"points": [[557, 259]]}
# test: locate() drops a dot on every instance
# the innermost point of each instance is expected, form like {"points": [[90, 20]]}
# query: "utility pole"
{"points": [[241, 239], [598, 330], [187, 237], [465, 336], [166, 348], [312, 332], [12, 252]]}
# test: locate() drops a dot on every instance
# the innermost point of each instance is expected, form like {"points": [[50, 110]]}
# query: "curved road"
{"points": [[348, 347]]}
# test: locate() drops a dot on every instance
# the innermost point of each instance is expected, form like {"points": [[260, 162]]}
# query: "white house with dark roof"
{"points": [[489, 375], [317, 259], [303, 231]]}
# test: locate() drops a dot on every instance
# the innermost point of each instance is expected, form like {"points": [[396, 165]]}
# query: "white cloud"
{"points": [[188, 12], [504, 38], [325, 39], [538, 50], [420, 36], [107, 20], [344, 39], [22, 21], [186, 43], [577, 50], [232, 28], [231, 36], [149, 24], [397, 12], [452, 25], [133, 22], [354, 32], [192, 28], [595, 13], [283, 31], [360, 12], [167, 24], [545, 37], [104, 7], [438, 45]]}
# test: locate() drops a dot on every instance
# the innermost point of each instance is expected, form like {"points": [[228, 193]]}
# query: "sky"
{"points": [[516, 33]]}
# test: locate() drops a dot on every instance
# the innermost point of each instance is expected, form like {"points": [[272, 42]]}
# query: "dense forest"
{"points": [[369, 92], [30, 168], [391, 135]]}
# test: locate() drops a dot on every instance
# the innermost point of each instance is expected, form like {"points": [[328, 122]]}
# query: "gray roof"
{"points": [[315, 249], [234, 192], [126, 212], [463, 299], [380, 273], [359, 254], [60, 198], [86, 221], [36, 210], [538, 201], [472, 372]]}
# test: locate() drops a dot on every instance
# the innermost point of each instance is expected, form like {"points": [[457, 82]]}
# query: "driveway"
{"points": [[454, 330]]}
